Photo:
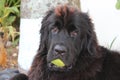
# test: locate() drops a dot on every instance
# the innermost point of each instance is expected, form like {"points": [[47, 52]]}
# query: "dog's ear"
{"points": [[92, 45], [40, 57], [89, 45], [44, 33], [89, 41]]}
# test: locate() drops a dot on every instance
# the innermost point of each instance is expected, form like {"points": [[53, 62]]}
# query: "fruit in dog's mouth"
{"points": [[58, 62]]}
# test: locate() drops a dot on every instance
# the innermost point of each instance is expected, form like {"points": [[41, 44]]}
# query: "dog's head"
{"points": [[66, 34]]}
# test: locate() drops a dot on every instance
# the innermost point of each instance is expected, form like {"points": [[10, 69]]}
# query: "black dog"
{"points": [[68, 34]]}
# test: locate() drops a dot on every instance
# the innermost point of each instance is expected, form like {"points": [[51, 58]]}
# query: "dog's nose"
{"points": [[60, 49]]}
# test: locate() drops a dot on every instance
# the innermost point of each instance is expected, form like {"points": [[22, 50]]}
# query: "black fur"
{"points": [[68, 34]]}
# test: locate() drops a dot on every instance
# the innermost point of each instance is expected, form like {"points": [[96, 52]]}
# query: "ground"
{"points": [[12, 55]]}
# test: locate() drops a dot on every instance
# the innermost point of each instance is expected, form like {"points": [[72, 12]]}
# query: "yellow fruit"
{"points": [[58, 63]]}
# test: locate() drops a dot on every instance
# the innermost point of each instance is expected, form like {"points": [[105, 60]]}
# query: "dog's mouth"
{"points": [[53, 67]]}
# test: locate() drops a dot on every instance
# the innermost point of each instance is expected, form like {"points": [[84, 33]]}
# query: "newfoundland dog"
{"points": [[68, 36]]}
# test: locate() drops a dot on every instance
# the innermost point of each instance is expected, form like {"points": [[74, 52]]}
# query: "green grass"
{"points": [[112, 42]]}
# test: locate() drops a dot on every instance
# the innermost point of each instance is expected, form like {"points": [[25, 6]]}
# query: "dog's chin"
{"points": [[53, 67]]}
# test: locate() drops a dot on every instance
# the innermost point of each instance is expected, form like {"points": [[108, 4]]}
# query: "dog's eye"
{"points": [[72, 30], [73, 33], [54, 30]]}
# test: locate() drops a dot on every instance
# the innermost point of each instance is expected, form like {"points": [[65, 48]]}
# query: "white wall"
{"points": [[29, 42], [106, 19]]}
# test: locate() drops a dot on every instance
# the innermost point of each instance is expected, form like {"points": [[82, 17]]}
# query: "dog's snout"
{"points": [[60, 49]]}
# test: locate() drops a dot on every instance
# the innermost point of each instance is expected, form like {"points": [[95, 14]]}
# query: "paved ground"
{"points": [[8, 73]]}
